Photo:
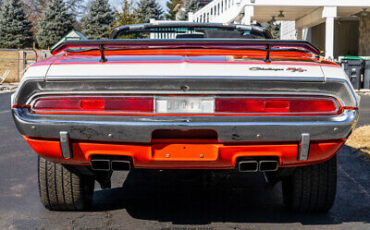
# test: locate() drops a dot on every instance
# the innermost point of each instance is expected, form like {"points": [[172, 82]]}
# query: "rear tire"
{"points": [[311, 188], [61, 188]]}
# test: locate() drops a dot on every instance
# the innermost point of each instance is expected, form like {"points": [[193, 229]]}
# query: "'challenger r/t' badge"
{"points": [[265, 69], [292, 69]]}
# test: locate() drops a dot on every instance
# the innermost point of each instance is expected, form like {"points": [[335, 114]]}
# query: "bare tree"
{"points": [[35, 8]]}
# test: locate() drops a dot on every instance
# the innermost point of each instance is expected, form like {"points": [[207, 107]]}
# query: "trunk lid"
{"points": [[172, 66]]}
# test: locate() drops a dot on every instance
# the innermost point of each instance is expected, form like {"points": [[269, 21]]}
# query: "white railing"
{"points": [[166, 35], [219, 11]]}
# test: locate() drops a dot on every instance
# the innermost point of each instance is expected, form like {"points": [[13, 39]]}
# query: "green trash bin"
{"points": [[354, 67]]}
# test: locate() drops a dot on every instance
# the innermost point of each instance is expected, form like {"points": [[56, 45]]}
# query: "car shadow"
{"points": [[202, 199]]}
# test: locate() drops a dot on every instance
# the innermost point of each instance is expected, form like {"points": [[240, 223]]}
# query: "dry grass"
{"points": [[360, 140], [8, 62]]}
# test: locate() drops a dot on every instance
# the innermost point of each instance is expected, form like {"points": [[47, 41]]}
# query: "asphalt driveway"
{"points": [[167, 201]]}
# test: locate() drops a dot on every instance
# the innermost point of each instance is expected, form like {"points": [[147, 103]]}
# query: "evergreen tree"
{"points": [[126, 16], [98, 21], [148, 9], [171, 15], [55, 23], [15, 30], [188, 6]]}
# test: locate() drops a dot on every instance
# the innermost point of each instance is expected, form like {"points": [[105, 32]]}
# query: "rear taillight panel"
{"points": [[88, 104], [277, 105], [187, 105]]}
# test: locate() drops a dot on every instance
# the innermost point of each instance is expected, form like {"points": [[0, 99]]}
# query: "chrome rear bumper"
{"points": [[229, 129]]}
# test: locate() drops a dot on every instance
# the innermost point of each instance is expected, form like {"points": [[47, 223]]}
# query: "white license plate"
{"points": [[185, 105]]}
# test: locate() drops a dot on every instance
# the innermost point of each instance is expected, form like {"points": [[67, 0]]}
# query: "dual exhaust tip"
{"points": [[255, 166], [243, 166], [108, 165]]}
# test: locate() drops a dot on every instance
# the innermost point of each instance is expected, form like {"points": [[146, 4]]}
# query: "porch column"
{"points": [[190, 16], [299, 33], [329, 13], [248, 14]]}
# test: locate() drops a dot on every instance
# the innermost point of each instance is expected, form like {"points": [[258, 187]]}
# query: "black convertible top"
{"points": [[199, 41], [174, 26]]}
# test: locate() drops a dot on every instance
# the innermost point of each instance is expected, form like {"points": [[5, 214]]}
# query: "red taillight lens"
{"points": [[221, 106], [94, 104], [277, 105]]}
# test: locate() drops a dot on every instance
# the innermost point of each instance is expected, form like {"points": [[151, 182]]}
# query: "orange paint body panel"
{"points": [[185, 155]]}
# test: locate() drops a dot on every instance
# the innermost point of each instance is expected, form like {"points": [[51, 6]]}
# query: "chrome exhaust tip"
{"points": [[117, 165], [248, 166], [268, 165], [100, 164]]}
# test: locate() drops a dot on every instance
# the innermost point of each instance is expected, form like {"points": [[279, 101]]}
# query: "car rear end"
{"points": [[156, 124], [188, 108]]}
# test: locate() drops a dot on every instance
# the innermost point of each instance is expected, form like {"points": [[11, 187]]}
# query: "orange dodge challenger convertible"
{"points": [[186, 96]]}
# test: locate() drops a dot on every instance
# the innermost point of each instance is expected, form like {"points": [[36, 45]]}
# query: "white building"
{"points": [[339, 27]]}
